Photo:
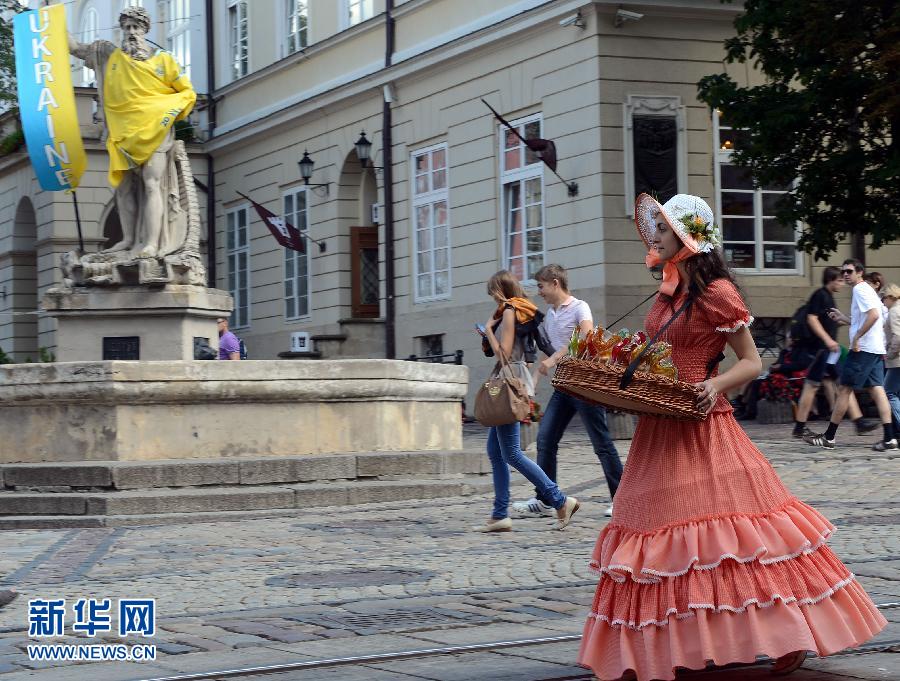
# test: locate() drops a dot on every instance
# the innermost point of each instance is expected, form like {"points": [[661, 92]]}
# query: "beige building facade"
{"points": [[609, 89], [616, 92]]}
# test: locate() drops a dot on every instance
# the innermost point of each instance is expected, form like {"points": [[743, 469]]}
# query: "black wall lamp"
{"points": [[363, 151], [306, 170]]}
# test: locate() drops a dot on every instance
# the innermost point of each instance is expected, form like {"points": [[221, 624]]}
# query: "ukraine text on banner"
{"points": [[285, 233], [46, 98]]}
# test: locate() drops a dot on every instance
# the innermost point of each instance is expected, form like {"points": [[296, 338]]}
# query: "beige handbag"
{"points": [[503, 398]]}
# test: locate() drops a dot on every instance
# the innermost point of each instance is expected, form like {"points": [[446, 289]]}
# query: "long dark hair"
{"points": [[702, 269]]}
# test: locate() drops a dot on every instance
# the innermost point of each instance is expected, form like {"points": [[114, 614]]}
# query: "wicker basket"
{"points": [[598, 383]]}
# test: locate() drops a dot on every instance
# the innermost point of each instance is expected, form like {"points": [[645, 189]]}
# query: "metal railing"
{"points": [[455, 357]]}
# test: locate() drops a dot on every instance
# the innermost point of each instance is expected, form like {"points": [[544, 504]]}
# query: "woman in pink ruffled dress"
{"points": [[708, 557]]}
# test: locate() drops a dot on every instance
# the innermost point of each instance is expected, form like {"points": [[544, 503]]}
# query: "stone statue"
{"points": [[142, 93]]}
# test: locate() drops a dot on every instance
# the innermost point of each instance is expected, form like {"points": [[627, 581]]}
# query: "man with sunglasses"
{"points": [[864, 367]]}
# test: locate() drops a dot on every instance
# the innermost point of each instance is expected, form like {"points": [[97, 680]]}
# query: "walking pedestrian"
{"points": [[824, 369], [503, 444], [708, 556], [892, 355], [565, 314], [876, 280], [864, 367]]}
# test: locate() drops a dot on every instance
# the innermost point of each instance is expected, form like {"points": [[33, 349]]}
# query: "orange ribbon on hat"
{"points": [[671, 275]]}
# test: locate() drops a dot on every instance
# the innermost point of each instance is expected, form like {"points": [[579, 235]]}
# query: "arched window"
{"points": [[90, 31]]}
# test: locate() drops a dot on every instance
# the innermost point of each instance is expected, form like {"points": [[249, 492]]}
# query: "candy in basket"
{"points": [[622, 372]]}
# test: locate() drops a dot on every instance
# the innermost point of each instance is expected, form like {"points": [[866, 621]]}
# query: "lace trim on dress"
{"points": [[731, 329], [615, 622], [656, 575]]}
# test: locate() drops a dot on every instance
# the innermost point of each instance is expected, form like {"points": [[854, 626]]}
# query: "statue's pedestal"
{"points": [[134, 322], [143, 411]]}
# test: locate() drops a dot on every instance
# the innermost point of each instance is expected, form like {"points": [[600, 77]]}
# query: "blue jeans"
{"points": [[892, 388], [557, 416], [504, 451]]}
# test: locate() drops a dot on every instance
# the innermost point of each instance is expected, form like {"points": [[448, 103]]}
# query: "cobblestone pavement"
{"points": [[405, 576]]}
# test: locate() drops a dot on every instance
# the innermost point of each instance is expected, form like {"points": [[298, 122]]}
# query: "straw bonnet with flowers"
{"points": [[690, 217], [708, 556]]}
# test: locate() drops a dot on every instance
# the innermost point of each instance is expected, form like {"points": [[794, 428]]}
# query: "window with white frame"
{"points": [[237, 250], [522, 192], [297, 14], [752, 238], [178, 33], [432, 224], [90, 31], [296, 264], [357, 11], [238, 38]]}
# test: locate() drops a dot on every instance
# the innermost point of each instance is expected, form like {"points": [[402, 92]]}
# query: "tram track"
{"points": [[444, 651]]}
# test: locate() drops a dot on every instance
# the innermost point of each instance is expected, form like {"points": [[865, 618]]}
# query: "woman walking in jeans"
{"points": [[503, 441]]}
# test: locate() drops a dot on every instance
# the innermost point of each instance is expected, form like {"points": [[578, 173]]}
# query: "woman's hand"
{"points": [[708, 395]]}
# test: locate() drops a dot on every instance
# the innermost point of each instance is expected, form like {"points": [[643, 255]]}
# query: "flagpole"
{"points": [[571, 186], [78, 224], [321, 244]]}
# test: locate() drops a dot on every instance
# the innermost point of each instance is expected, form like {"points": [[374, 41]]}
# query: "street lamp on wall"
{"points": [[306, 170], [364, 151]]}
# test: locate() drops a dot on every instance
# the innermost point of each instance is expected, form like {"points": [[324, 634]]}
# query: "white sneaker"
{"points": [[532, 507], [608, 513]]}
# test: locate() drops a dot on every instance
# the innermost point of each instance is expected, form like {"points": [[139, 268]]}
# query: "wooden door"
{"points": [[364, 277]]}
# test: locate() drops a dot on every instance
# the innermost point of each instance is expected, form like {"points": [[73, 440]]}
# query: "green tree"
{"points": [[8, 96], [827, 114]]}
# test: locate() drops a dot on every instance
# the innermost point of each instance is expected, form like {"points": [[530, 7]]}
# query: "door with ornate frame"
{"points": [[364, 278]]}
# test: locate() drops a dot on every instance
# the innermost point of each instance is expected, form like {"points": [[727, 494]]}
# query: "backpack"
{"points": [[533, 337], [243, 348], [799, 326]]}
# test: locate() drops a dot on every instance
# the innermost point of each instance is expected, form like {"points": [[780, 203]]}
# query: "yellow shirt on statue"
{"points": [[141, 102]]}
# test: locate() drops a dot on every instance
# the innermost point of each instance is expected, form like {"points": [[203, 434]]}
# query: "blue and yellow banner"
{"points": [[46, 98]]}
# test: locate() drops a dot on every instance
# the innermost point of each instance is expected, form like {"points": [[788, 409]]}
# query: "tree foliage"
{"points": [[827, 114], [8, 96]]}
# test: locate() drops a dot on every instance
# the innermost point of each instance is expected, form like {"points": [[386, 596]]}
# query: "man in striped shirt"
{"points": [[565, 314]]}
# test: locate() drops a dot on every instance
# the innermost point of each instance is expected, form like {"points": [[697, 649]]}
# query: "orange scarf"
{"points": [[525, 309], [671, 276]]}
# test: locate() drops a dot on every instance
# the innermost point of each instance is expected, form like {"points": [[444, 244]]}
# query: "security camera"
{"points": [[623, 15], [574, 20]]}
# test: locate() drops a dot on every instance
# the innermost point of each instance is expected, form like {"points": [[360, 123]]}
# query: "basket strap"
{"points": [[625, 381], [652, 295]]}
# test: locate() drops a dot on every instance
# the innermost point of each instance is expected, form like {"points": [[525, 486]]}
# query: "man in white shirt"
{"points": [[864, 367], [565, 314]]}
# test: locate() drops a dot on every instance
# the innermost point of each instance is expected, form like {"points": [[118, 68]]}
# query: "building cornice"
{"points": [[686, 9], [12, 161]]}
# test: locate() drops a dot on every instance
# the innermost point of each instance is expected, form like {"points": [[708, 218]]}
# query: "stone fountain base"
{"points": [[142, 411]]}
